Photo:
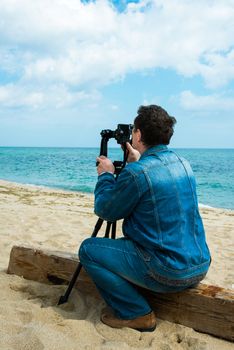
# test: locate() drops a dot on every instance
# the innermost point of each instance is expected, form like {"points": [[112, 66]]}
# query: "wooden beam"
{"points": [[208, 309]]}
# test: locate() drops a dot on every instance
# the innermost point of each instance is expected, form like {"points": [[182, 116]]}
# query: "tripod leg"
{"points": [[97, 227], [107, 232], [64, 298], [113, 231]]}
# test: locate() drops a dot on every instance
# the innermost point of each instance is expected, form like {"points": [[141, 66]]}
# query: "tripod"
{"points": [[119, 165]]}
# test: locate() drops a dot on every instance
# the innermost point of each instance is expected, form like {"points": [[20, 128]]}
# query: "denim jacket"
{"points": [[157, 198]]}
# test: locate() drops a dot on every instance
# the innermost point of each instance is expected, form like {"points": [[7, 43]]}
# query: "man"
{"points": [[164, 247]]}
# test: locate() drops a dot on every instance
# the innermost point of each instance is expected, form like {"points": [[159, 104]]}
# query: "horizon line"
{"points": [[184, 147]]}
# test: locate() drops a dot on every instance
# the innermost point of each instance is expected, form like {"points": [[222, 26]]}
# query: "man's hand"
{"points": [[105, 165], [133, 154]]}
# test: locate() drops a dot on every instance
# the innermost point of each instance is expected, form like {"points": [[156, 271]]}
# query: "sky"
{"points": [[71, 68]]}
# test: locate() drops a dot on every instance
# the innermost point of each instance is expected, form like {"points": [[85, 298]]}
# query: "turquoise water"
{"points": [[74, 169]]}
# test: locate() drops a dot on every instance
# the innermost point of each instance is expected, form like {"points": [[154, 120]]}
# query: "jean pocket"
{"points": [[143, 254]]}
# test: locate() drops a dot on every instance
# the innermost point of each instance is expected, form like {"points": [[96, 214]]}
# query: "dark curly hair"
{"points": [[155, 124]]}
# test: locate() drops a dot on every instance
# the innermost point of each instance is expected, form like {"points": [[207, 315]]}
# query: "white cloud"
{"points": [[55, 96], [12, 96], [114, 107], [72, 44], [214, 102], [219, 69]]}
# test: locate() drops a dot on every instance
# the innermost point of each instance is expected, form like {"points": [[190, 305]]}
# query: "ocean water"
{"points": [[74, 169]]}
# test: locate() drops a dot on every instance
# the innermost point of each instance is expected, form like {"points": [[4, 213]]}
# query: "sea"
{"points": [[74, 169]]}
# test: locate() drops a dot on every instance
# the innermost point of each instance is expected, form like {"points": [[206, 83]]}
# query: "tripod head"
{"points": [[122, 135]]}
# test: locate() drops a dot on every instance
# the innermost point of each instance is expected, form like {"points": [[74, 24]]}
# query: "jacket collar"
{"points": [[153, 150]]}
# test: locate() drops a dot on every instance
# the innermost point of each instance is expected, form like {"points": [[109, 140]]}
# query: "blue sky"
{"points": [[69, 69]]}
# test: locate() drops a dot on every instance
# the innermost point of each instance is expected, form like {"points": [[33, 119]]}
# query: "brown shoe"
{"points": [[146, 323]]}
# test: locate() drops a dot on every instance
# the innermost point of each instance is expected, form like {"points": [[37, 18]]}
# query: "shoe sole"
{"points": [[146, 329]]}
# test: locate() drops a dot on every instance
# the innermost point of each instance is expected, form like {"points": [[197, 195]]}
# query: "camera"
{"points": [[122, 134]]}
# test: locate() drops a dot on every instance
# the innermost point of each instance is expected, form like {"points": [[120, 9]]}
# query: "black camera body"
{"points": [[122, 134]]}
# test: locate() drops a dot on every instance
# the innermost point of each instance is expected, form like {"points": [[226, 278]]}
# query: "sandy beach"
{"points": [[58, 220]]}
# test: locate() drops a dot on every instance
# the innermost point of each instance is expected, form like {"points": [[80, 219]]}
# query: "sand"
{"points": [[59, 220]]}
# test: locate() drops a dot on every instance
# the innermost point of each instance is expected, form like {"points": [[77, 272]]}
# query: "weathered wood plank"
{"points": [[208, 309], [48, 267]]}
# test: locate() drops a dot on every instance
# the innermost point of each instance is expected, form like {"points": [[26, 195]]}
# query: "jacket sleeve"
{"points": [[116, 199]]}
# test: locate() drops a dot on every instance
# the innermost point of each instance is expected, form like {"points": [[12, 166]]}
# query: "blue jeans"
{"points": [[116, 267]]}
